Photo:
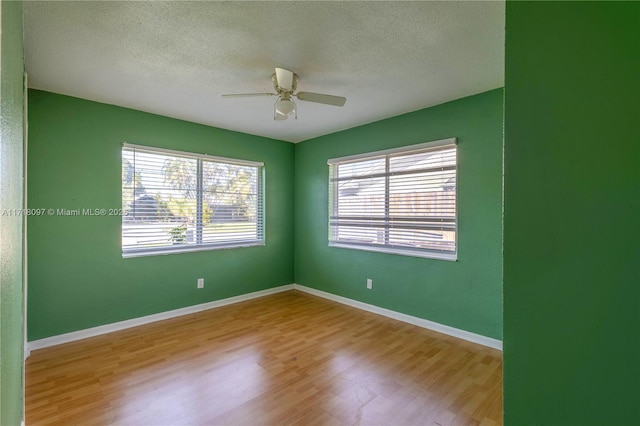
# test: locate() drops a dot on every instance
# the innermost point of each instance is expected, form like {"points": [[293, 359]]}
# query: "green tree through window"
{"points": [[175, 201]]}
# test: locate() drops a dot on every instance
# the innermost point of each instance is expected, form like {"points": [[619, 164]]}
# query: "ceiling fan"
{"points": [[285, 83]]}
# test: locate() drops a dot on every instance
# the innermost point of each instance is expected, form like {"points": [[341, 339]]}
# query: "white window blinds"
{"points": [[177, 201], [398, 201]]}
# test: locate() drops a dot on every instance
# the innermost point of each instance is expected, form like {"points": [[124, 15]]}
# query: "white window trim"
{"points": [[154, 150], [201, 247], [397, 250], [403, 149], [145, 251]]}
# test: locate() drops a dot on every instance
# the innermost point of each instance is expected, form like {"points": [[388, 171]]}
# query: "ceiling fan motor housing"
{"points": [[280, 90]]}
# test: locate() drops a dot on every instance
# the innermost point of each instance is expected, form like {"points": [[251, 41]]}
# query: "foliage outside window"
{"points": [[400, 201], [177, 201]]}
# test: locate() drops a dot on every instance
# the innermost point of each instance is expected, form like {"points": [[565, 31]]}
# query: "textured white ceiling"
{"points": [[177, 58]]}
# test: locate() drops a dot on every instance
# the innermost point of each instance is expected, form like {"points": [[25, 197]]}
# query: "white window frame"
{"points": [[200, 245], [334, 197]]}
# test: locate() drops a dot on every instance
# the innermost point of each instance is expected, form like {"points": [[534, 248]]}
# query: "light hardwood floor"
{"points": [[288, 358]]}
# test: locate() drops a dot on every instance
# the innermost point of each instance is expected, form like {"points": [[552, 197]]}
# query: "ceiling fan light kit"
{"points": [[284, 107], [285, 83]]}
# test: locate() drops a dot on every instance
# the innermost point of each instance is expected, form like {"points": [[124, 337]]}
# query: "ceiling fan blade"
{"points": [[247, 95], [321, 99], [285, 78]]}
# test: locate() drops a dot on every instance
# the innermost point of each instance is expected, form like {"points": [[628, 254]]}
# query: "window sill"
{"points": [[191, 249], [403, 252]]}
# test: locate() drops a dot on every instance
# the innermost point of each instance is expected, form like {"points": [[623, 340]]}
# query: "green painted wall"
{"points": [[77, 276], [466, 294], [11, 197], [572, 204]]}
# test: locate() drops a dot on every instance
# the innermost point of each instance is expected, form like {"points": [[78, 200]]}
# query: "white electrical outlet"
{"points": [[200, 282], [369, 283]]}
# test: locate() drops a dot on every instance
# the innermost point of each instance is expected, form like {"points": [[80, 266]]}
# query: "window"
{"points": [[176, 201], [399, 201]]}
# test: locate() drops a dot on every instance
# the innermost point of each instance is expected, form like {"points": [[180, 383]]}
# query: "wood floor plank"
{"points": [[284, 359]]}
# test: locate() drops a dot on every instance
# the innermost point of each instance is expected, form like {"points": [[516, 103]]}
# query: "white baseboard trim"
{"points": [[420, 322], [108, 328], [116, 326]]}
